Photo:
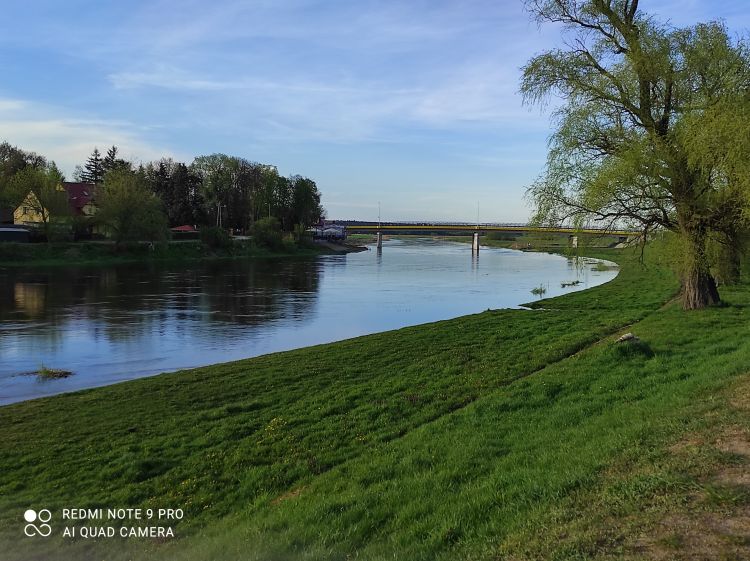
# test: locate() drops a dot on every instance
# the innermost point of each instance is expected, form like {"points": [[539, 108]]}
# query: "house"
{"points": [[28, 213], [186, 229], [81, 198], [185, 232], [80, 201]]}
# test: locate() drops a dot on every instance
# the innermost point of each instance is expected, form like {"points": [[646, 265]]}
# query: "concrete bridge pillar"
{"points": [[380, 240], [475, 243]]}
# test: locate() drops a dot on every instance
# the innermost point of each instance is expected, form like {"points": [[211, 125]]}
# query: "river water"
{"points": [[108, 324]]}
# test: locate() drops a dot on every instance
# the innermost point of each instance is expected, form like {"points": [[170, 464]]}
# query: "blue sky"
{"points": [[410, 103]]}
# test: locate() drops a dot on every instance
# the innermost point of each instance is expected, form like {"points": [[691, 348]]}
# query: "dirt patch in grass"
{"points": [[690, 442], [714, 522], [741, 398], [293, 494], [686, 501], [734, 440], [698, 537]]}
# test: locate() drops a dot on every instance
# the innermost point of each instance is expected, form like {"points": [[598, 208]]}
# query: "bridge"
{"points": [[477, 229]]}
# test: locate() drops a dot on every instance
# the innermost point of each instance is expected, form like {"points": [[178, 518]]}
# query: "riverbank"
{"points": [[107, 253], [340, 247], [506, 434]]}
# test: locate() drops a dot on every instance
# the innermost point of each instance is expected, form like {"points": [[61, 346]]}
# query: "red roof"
{"points": [[185, 228], [79, 194]]}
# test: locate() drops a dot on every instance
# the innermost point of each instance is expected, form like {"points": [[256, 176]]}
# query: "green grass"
{"points": [[462, 439], [105, 253]]}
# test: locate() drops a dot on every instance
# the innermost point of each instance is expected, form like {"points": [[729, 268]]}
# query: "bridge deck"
{"points": [[484, 228]]}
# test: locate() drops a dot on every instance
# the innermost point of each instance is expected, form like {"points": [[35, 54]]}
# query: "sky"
{"points": [[410, 105]]}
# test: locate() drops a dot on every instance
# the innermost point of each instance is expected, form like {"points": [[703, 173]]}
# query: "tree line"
{"points": [[141, 201]]}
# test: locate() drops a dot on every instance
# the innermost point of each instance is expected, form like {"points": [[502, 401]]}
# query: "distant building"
{"points": [[28, 214], [329, 232], [80, 200], [188, 229], [185, 232]]}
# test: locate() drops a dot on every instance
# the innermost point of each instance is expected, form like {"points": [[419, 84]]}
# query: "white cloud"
{"points": [[304, 71], [69, 140], [11, 105], [344, 110]]}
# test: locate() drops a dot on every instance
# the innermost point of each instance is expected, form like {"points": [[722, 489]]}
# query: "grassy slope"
{"points": [[417, 441]]}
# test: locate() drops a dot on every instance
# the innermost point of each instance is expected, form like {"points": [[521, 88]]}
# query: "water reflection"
{"points": [[136, 297], [115, 323]]}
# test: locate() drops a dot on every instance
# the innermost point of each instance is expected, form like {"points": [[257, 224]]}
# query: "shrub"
{"points": [[52, 373], [216, 238], [267, 233], [539, 290], [302, 237]]}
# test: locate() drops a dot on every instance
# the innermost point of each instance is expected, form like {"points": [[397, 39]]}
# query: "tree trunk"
{"points": [[698, 286]]}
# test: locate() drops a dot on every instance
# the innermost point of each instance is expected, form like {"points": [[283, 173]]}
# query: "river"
{"points": [[109, 324]]}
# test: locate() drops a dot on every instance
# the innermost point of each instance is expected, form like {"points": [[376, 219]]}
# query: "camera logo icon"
{"points": [[41, 518]]}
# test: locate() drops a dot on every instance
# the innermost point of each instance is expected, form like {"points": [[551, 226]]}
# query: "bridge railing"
{"points": [[487, 227]]}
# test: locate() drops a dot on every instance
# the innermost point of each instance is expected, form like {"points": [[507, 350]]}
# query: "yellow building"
{"points": [[29, 211], [80, 202]]}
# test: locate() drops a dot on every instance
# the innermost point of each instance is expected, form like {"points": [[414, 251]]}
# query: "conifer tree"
{"points": [[93, 170], [112, 162]]}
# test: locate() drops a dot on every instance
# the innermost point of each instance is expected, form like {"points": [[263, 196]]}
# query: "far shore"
{"points": [[109, 253]]}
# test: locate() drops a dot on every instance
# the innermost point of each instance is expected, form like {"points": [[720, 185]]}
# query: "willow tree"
{"points": [[128, 210], [636, 93], [718, 140]]}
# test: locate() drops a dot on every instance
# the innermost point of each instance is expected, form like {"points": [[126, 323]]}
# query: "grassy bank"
{"points": [[507, 434], [106, 253]]}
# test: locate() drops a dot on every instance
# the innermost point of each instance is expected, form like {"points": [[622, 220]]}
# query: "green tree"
{"points": [[45, 197], [635, 92], [717, 141], [284, 202], [179, 189], [112, 162], [306, 206], [267, 233], [93, 170], [128, 210], [231, 187], [13, 160], [269, 177], [216, 183]]}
